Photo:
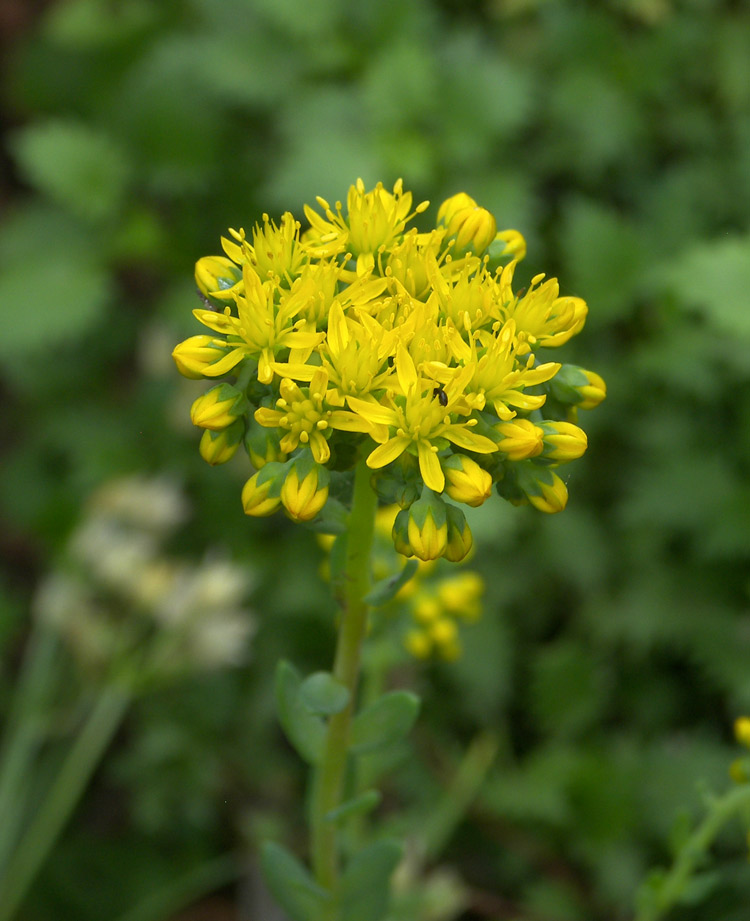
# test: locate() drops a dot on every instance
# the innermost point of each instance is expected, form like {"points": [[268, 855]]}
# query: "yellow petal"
{"points": [[388, 452], [429, 467]]}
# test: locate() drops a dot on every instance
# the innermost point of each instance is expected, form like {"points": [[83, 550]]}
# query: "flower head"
{"points": [[365, 337]]}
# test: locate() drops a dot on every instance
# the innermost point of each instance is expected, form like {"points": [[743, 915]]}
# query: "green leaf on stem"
{"points": [[321, 693], [292, 885], [365, 885], [384, 722], [387, 589], [357, 806], [305, 730]]}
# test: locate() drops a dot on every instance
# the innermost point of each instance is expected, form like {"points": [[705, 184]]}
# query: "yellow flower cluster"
{"points": [[365, 337], [438, 610]]}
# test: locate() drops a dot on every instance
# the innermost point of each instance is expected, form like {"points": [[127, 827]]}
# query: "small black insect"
{"points": [[441, 395]]}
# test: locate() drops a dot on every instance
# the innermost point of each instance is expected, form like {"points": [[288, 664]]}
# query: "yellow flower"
{"points": [[407, 263], [374, 219], [496, 376], [420, 421], [263, 325], [302, 415], [542, 317], [467, 298], [276, 251], [355, 357]]}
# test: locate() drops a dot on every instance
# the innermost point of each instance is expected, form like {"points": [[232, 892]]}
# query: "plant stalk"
{"points": [[692, 851], [329, 779], [67, 788]]}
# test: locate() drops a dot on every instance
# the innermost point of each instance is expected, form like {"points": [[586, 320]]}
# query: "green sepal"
{"points": [[361, 804], [305, 730], [273, 470], [321, 693], [565, 385], [292, 885], [387, 589], [225, 391], [384, 722], [365, 885], [305, 463], [429, 503]]}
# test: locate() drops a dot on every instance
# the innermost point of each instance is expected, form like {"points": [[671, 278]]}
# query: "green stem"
{"points": [[329, 779], [67, 788], [673, 884], [461, 792], [25, 730]]}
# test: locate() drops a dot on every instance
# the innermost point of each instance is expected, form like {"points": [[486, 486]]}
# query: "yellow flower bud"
{"points": [[467, 222], [594, 392], [427, 539], [453, 205], [217, 408], [563, 441], [215, 273], [219, 447], [418, 643], [425, 609], [303, 500], [578, 387], [443, 631], [400, 535], [459, 539], [515, 244], [546, 492], [466, 481], [739, 770], [195, 354], [444, 635], [461, 595], [520, 439], [742, 730], [256, 498]]}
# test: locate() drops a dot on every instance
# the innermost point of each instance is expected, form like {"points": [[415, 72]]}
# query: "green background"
{"points": [[614, 652]]}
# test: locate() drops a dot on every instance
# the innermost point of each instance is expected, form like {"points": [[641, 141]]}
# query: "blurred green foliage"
{"points": [[615, 647]]}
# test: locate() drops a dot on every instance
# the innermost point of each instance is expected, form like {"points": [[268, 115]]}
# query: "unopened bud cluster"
{"points": [[363, 337]]}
